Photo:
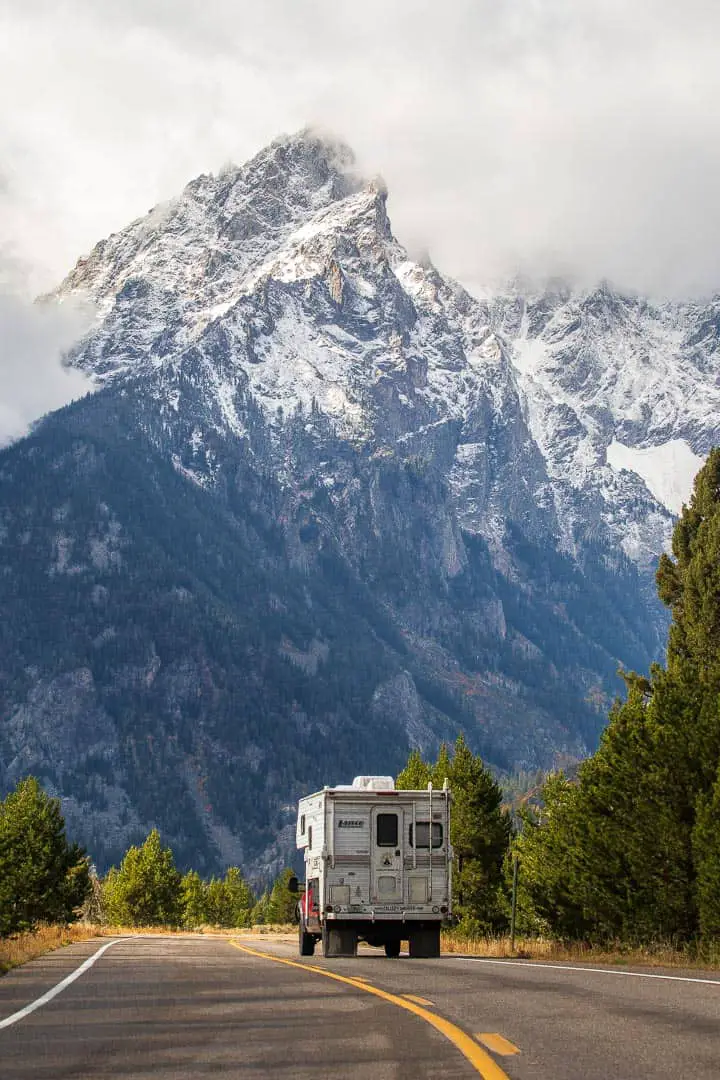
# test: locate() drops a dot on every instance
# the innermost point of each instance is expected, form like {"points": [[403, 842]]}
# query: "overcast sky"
{"points": [[579, 137], [557, 135]]}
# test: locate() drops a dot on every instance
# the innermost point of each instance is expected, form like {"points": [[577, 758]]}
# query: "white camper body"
{"points": [[377, 867]]}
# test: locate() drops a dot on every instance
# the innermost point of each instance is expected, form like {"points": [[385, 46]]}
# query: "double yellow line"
{"points": [[478, 1058]]}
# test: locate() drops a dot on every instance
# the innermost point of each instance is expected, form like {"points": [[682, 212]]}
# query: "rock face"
{"points": [[325, 505]]}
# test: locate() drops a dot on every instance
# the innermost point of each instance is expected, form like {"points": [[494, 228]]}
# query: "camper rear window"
{"points": [[423, 831], [387, 830]]}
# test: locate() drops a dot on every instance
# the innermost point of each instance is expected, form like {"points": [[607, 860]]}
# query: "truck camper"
{"points": [[377, 868]]}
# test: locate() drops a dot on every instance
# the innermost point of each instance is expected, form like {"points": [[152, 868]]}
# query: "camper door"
{"points": [[386, 839]]}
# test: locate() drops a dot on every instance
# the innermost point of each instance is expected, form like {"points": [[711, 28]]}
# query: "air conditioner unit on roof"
{"points": [[374, 783]]}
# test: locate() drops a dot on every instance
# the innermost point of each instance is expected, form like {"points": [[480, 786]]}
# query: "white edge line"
{"points": [[599, 971], [58, 989]]}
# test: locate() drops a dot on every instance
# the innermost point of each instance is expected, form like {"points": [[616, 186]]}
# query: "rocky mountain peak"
{"points": [[222, 225], [306, 162]]}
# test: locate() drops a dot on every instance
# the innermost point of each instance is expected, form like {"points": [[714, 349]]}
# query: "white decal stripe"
{"points": [[39, 1002]]}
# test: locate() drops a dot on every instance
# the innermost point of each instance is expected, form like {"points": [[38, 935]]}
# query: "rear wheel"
{"points": [[425, 942], [306, 942], [392, 948]]}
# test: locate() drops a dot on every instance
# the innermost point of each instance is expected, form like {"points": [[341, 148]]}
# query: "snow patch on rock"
{"points": [[668, 470]]}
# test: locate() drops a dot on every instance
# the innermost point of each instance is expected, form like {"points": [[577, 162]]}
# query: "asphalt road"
{"points": [[190, 1007]]}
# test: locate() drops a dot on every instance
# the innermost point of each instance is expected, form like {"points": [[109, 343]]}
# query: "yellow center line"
{"points": [[419, 1000], [498, 1043], [478, 1058]]}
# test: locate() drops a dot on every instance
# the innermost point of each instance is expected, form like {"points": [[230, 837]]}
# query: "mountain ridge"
{"points": [[311, 446]]}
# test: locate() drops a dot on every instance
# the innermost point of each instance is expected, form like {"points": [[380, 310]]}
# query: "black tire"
{"points": [[392, 948], [425, 943], [306, 942]]}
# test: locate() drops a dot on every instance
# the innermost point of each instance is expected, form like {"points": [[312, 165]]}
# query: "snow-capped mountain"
{"points": [[288, 266], [623, 399], [324, 504]]}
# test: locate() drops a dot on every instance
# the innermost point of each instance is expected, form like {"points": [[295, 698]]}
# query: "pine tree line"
{"points": [[44, 879], [631, 849], [148, 890]]}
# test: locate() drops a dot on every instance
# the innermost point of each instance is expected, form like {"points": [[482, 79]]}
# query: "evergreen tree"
{"points": [[146, 889], [442, 769], [43, 878], [706, 849], [229, 901], [258, 914], [635, 842], [193, 902], [416, 775], [240, 897], [281, 903], [217, 909], [480, 834], [691, 587], [479, 830], [547, 901]]}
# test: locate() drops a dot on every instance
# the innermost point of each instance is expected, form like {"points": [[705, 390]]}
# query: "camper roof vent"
{"points": [[374, 783]]}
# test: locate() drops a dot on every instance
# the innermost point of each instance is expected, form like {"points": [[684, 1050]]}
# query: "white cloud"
{"points": [[543, 134], [32, 378]]}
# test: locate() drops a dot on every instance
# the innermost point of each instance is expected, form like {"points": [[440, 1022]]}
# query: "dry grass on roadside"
{"points": [[20, 948], [271, 930], [219, 931], [660, 954]]}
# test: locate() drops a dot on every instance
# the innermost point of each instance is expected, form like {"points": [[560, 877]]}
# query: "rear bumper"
{"points": [[386, 916]]}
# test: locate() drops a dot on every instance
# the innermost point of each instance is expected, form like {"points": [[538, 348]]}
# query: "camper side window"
{"points": [[302, 824], [387, 830], [309, 837], [423, 833]]}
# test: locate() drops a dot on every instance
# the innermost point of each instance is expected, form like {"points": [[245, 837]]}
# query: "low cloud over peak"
{"points": [[33, 380], [552, 138]]}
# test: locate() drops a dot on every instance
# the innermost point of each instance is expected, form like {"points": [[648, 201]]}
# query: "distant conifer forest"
{"points": [[625, 850]]}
